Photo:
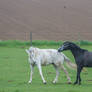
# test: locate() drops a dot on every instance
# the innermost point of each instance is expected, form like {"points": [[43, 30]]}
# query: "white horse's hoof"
{"points": [[30, 82], [54, 82], [69, 82], [45, 82]]}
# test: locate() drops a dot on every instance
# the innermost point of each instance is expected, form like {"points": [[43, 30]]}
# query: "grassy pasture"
{"points": [[15, 71]]}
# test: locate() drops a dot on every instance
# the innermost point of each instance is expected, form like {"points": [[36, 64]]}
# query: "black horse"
{"points": [[83, 58]]}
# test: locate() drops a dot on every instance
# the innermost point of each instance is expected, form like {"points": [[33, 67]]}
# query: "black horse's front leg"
{"points": [[78, 78], [79, 75]]}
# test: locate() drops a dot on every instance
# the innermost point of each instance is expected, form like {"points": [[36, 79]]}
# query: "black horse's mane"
{"points": [[76, 46]]}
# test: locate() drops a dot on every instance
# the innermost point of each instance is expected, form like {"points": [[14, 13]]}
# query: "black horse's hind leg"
{"points": [[78, 78]]}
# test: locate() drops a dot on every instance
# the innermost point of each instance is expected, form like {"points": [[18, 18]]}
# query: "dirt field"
{"points": [[47, 19]]}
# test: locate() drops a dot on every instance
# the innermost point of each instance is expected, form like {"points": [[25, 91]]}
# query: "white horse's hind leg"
{"points": [[57, 74], [66, 73], [40, 71], [31, 66]]}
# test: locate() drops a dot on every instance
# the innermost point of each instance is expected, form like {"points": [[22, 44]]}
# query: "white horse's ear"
{"points": [[27, 51]]}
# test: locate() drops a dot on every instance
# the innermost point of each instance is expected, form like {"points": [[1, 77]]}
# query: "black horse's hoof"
{"points": [[79, 83], [74, 83]]}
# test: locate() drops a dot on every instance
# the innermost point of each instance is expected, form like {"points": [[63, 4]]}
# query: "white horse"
{"points": [[45, 57]]}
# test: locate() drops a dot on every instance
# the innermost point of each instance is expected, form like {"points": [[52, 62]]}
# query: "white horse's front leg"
{"points": [[66, 73], [31, 73], [40, 71], [57, 74]]}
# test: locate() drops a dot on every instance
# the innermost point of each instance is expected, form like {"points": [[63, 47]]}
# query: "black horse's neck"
{"points": [[77, 51]]}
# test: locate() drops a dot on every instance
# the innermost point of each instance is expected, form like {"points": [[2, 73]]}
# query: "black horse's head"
{"points": [[66, 46]]}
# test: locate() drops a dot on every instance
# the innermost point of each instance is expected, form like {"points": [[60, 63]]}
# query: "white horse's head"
{"points": [[32, 51]]}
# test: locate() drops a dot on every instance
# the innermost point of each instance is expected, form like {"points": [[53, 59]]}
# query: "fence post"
{"points": [[79, 38], [31, 38]]}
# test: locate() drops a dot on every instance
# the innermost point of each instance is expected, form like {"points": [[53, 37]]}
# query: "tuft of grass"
{"points": [[14, 43], [17, 43], [17, 90], [45, 42], [84, 42]]}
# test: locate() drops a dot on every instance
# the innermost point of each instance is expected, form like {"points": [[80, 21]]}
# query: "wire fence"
{"points": [[71, 36]]}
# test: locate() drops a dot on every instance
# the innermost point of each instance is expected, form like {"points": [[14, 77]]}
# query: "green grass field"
{"points": [[15, 71]]}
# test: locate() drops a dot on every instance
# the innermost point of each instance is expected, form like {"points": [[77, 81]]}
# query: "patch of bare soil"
{"points": [[47, 19]]}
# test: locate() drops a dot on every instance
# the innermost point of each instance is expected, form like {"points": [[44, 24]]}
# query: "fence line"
{"points": [[47, 36]]}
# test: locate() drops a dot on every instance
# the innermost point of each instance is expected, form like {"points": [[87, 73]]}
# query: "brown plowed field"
{"points": [[47, 19]]}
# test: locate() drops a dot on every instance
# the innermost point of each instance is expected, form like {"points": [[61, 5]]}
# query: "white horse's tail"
{"points": [[72, 65], [69, 63]]}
